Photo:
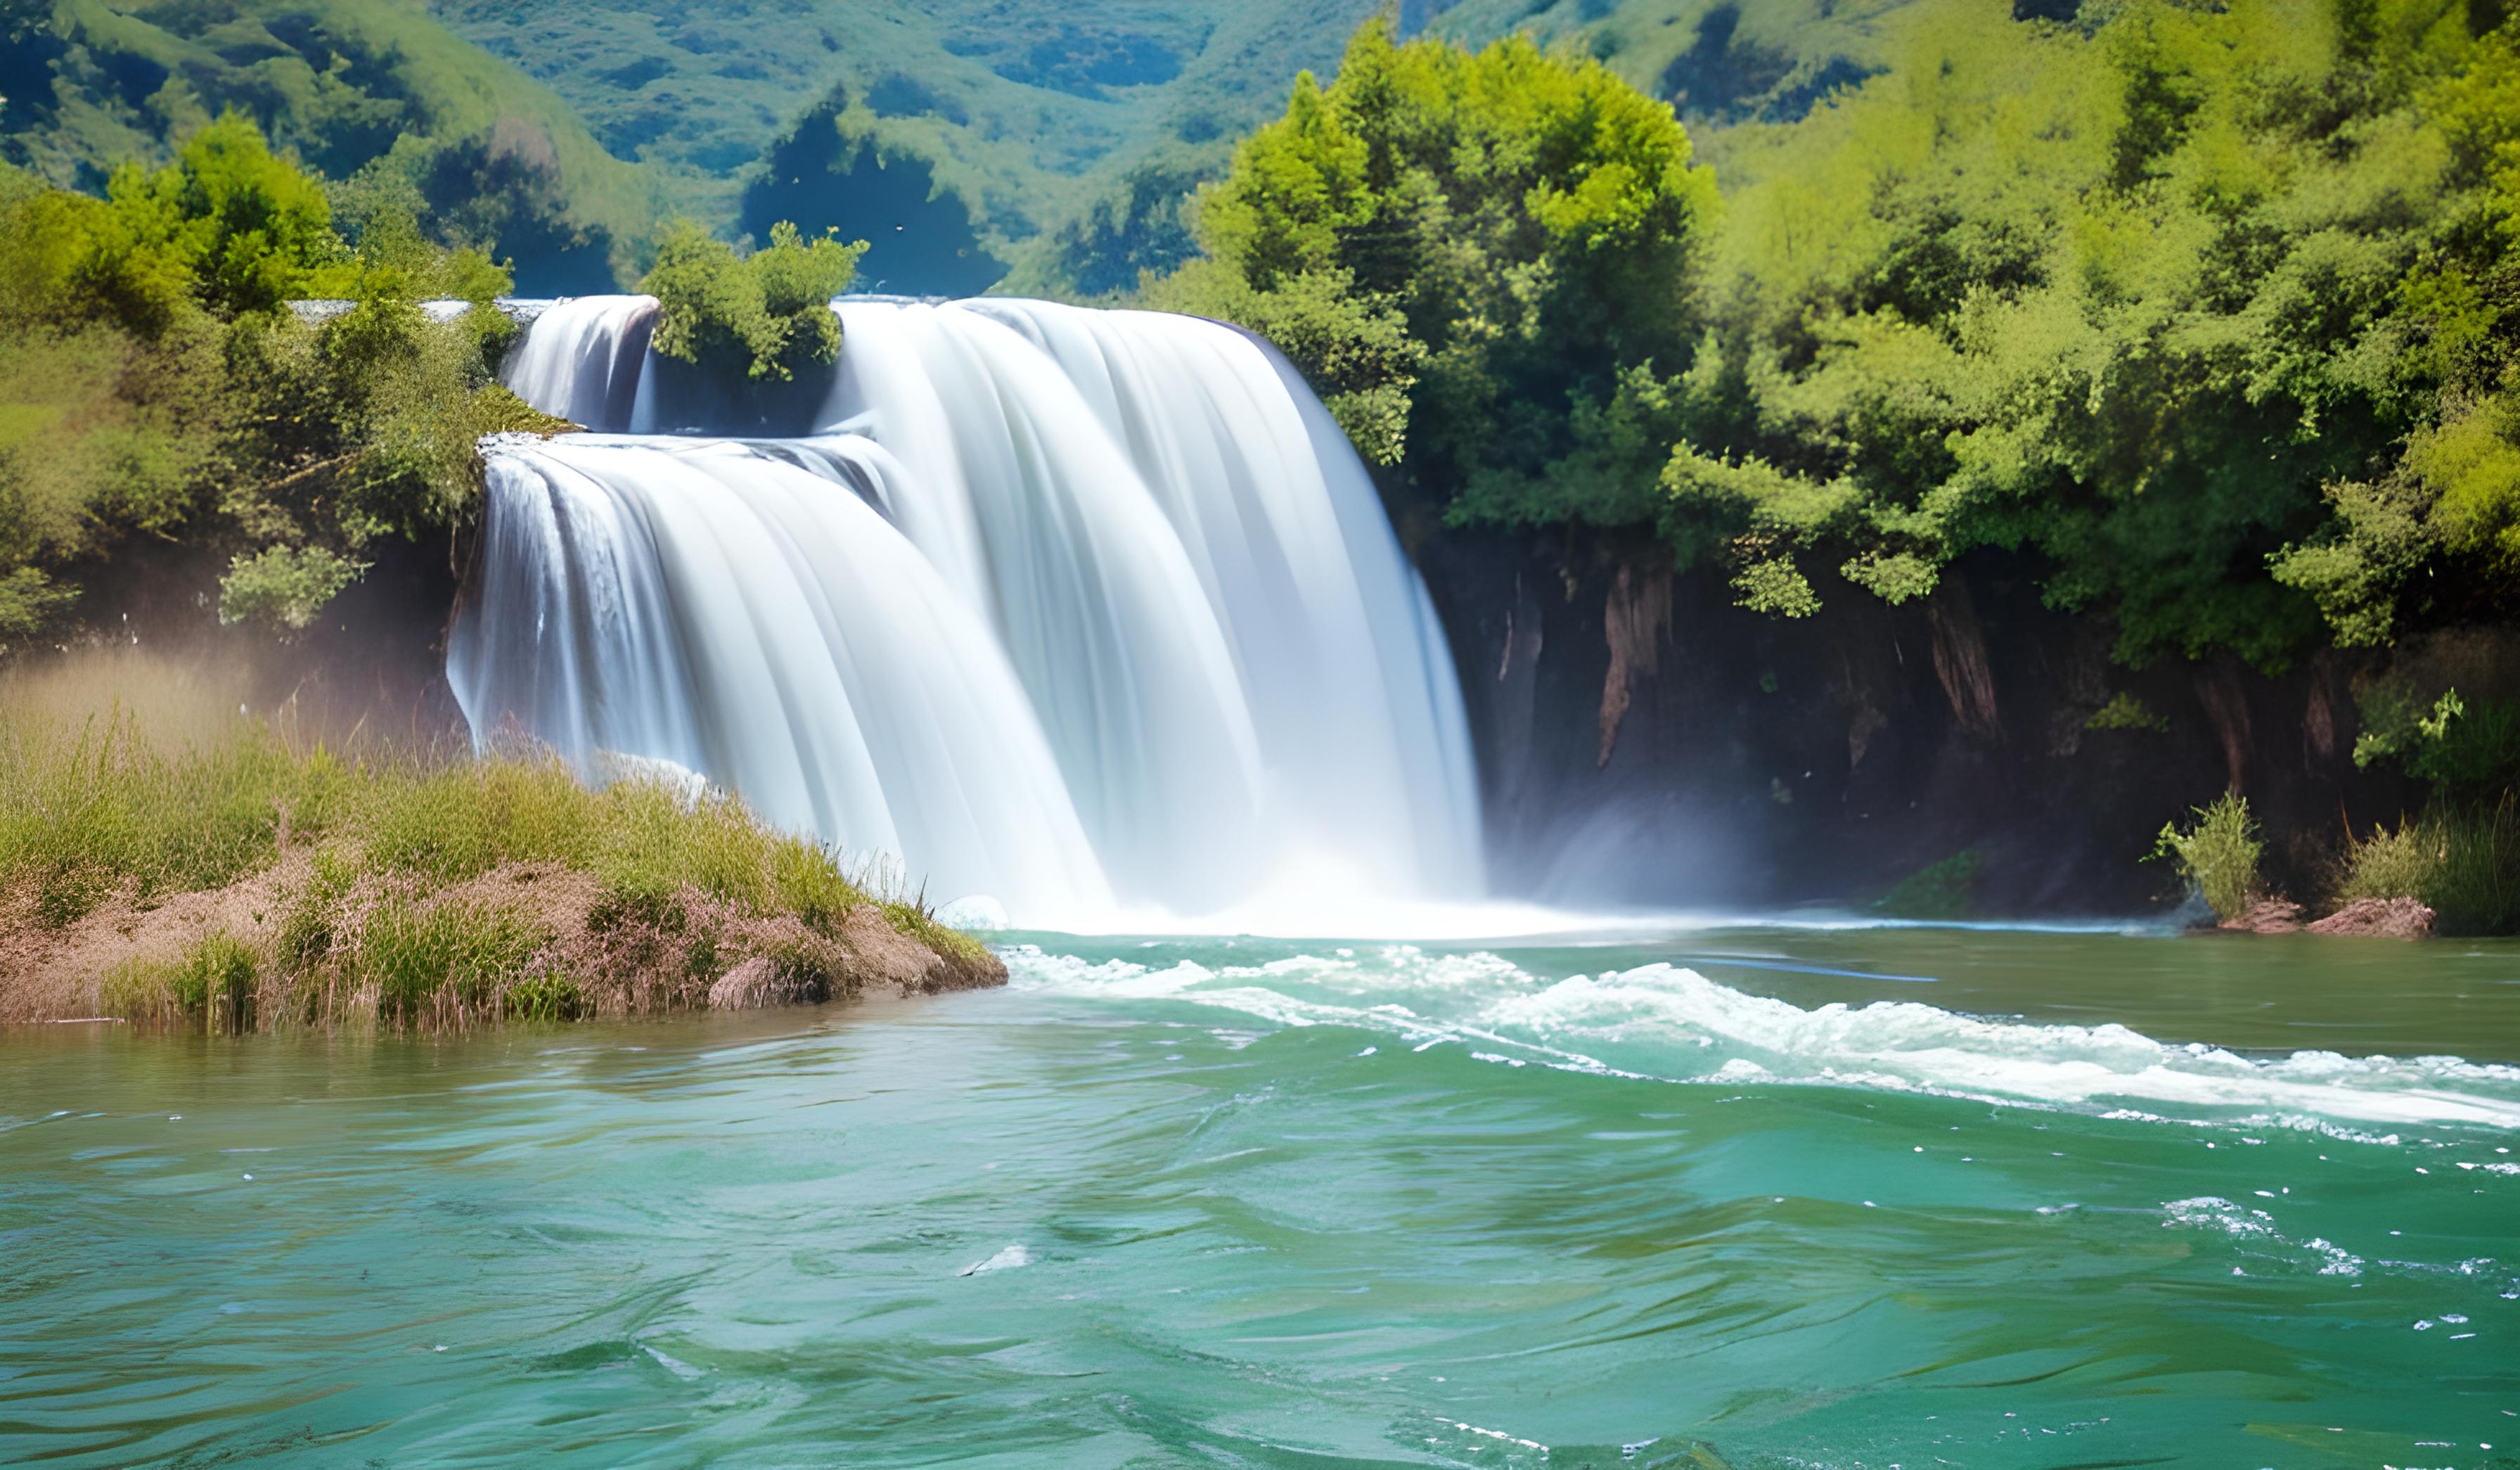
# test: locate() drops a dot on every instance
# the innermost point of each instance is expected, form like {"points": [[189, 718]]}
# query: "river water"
{"points": [[1726, 1197]]}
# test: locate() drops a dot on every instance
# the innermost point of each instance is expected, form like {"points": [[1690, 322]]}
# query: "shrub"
{"points": [[2461, 862], [2462, 749], [2218, 855], [769, 311], [1946, 889], [2124, 711], [284, 587]]}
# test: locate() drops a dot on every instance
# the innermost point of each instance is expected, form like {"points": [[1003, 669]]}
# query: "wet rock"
{"points": [[2380, 918], [2267, 917]]}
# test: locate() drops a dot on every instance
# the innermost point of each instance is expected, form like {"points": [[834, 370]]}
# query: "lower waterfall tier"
{"points": [[1088, 611]]}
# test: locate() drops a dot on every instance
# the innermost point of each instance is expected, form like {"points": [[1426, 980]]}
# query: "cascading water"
{"points": [[1085, 611]]}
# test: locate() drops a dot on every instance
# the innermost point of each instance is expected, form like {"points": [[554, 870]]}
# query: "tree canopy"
{"points": [[1457, 246], [155, 388], [2203, 308]]}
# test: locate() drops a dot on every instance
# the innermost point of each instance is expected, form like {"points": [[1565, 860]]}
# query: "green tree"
{"points": [[2203, 311], [769, 311], [153, 385], [1482, 260], [245, 230]]}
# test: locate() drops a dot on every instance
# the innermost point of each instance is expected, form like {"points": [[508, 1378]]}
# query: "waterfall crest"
{"points": [[1086, 610]]}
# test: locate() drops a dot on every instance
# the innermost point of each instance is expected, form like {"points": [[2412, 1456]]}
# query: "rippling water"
{"points": [[1739, 1196]]}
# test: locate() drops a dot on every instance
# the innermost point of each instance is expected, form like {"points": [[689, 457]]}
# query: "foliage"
{"points": [[242, 230], [769, 311], [2461, 862], [2218, 854], [2124, 711], [1480, 258], [1354, 347], [1945, 890], [2464, 750], [284, 586], [145, 353], [352, 89], [2200, 307]]}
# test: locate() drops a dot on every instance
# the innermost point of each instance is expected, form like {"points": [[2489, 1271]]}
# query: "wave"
{"points": [[1666, 1022]]}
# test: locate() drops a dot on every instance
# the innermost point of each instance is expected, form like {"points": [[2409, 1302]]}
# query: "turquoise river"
{"points": [[1730, 1196]]}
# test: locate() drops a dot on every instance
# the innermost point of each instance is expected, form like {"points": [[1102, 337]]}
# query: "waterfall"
{"points": [[1091, 612]]}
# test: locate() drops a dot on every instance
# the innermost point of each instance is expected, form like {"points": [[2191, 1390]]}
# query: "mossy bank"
{"points": [[237, 884]]}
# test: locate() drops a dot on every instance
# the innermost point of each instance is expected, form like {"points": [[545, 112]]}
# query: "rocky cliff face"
{"points": [[1643, 741]]}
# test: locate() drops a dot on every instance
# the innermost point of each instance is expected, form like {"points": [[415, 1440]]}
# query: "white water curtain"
{"points": [[1086, 610]]}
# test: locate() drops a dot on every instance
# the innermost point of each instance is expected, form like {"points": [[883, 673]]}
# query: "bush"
{"points": [[284, 587], [1946, 889], [769, 311], [2465, 749], [2463, 863], [1466, 254], [151, 354], [2218, 855], [2124, 711]]}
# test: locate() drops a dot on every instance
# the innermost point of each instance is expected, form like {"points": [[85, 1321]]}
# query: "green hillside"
{"points": [[1059, 139], [976, 143], [1718, 61], [344, 84], [1024, 116]]}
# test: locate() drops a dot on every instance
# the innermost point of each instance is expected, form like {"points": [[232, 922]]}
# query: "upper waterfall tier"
{"points": [[1083, 609]]}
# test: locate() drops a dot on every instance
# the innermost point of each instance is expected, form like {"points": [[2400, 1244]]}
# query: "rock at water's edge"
{"points": [[2380, 918], [2267, 917]]}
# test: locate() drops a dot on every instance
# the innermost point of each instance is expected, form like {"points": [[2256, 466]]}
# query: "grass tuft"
{"points": [[441, 960], [2217, 853], [2462, 862]]}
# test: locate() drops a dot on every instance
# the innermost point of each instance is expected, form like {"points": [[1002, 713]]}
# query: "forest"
{"points": [[2202, 309], [2205, 309]]}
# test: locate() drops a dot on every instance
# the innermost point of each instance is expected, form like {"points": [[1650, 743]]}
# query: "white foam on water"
{"points": [[1672, 1023], [2213, 1213], [1007, 1259]]}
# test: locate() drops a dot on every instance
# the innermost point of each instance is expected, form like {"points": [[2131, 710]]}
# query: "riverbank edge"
{"points": [[156, 960]]}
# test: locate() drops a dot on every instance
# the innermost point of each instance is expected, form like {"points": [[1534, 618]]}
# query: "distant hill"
{"points": [[1038, 144], [343, 83], [1023, 115]]}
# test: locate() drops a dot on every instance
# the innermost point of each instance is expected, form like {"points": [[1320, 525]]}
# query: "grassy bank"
{"points": [[235, 882]]}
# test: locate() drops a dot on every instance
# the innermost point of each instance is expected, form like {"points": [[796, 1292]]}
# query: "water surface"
{"points": [[2023, 1200]]}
